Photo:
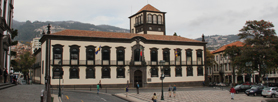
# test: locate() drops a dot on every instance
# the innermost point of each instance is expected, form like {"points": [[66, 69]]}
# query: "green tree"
{"points": [[13, 53], [260, 48], [232, 52], [209, 59], [25, 62]]}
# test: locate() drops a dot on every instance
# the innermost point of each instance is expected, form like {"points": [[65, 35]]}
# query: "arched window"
{"points": [[56, 72], [106, 55], [188, 56], [139, 20], [159, 19], [120, 55], [142, 19], [105, 72], [154, 72], [74, 54], [200, 71], [166, 55], [154, 55], [178, 56], [90, 72], [120, 72], [167, 71], [90, 55], [189, 71], [199, 57], [154, 19], [150, 18], [178, 71], [74, 73], [57, 54], [137, 55]]}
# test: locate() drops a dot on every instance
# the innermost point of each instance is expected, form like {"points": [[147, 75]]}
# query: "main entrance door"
{"points": [[138, 77]]}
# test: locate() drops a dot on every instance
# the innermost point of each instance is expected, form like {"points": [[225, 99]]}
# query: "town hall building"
{"points": [[118, 59]]}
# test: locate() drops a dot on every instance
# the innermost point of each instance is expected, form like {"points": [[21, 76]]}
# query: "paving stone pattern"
{"points": [[21, 93], [198, 96]]}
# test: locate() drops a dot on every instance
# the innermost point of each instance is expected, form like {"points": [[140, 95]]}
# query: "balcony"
{"points": [[114, 62]]}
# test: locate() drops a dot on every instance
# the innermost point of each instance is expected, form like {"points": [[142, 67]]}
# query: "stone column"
{"points": [[243, 76]]}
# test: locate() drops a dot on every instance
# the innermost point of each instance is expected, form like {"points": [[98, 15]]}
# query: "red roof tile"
{"points": [[237, 43], [149, 7], [100, 34]]}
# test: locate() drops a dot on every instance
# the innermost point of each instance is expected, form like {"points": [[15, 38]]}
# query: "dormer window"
{"points": [[141, 19], [149, 18], [159, 19], [154, 19]]}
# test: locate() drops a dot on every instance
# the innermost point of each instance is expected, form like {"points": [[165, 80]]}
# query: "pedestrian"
{"points": [[100, 84], [170, 90], [126, 90], [154, 97], [137, 87], [97, 88], [232, 91], [5, 75], [11, 75], [174, 91]]}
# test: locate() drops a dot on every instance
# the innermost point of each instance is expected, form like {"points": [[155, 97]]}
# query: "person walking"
{"points": [[154, 97], [100, 84], [126, 90], [174, 91], [232, 91], [137, 87], [97, 88], [170, 90], [5, 75]]}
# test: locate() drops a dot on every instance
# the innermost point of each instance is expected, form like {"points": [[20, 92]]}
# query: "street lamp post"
{"points": [[161, 62], [249, 64]]}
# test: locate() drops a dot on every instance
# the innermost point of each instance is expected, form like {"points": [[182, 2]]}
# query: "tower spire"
{"points": [[48, 29]]}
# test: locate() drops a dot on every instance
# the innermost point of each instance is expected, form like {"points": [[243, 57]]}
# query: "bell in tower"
{"points": [[148, 20]]}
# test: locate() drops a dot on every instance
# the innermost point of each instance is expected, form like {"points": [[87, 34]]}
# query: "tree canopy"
{"points": [[260, 47]]}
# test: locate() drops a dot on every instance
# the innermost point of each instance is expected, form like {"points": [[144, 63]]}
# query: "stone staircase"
{"points": [[5, 85]]}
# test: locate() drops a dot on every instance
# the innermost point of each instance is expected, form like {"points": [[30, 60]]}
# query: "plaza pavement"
{"points": [[216, 95]]}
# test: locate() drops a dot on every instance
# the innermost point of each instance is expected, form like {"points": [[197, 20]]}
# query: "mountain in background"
{"points": [[216, 41], [29, 30]]}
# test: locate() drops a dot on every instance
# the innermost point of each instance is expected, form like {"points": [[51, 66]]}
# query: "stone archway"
{"points": [[138, 78]]}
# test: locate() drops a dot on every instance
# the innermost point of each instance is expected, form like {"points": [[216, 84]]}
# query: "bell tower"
{"points": [[148, 20]]}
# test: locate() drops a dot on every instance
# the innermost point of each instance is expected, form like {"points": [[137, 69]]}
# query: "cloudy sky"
{"points": [[188, 18]]}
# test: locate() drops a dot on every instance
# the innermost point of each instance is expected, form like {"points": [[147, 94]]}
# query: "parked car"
{"points": [[269, 92], [255, 90], [242, 88], [212, 84], [221, 84]]}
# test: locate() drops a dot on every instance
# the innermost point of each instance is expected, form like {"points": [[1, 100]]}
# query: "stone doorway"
{"points": [[138, 78]]}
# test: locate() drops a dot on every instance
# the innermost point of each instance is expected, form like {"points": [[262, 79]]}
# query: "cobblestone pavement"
{"points": [[21, 93], [196, 96]]}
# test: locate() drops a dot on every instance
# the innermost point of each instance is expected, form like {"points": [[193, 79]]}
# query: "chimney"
{"points": [[48, 30], [203, 38]]}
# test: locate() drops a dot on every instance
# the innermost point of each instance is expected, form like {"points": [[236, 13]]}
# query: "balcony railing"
{"points": [[114, 62]]}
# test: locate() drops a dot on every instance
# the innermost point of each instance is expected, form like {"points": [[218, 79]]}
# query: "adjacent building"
{"points": [[118, 59], [6, 15], [35, 44]]}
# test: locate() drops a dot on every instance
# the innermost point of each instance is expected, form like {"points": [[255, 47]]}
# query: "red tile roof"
{"points": [[149, 7], [237, 43], [100, 34]]}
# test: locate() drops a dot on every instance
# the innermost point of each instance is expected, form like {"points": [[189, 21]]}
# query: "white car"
{"points": [[270, 92]]}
